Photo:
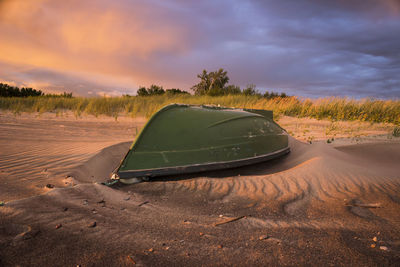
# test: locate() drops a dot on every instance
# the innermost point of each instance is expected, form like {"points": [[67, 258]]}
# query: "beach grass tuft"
{"points": [[396, 131]]}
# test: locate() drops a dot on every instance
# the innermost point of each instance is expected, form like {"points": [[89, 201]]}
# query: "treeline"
{"points": [[214, 83], [159, 90], [13, 91]]}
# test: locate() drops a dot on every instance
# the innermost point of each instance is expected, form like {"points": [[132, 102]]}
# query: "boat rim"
{"points": [[202, 167]]}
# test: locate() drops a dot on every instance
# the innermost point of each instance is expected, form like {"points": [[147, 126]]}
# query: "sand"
{"points": [[323, 204]]}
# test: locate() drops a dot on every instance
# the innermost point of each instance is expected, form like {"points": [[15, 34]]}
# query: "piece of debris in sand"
{"points": [[58, 226], [2, 203], [65, 209], [102, 202], [383, 248], [85, 202], [143, 203], [127, 198], [230, 220], [369, 205], [375, 239], [110, 182], [92, 225], [50, 185], [373, 245], [263, 237], [130, 258], [151, 250]]}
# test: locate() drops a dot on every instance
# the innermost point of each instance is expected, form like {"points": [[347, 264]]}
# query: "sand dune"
{"points": [[40, 150], [322, 204]]}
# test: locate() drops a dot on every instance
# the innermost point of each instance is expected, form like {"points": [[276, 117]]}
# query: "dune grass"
{"points": [[332, 108]]}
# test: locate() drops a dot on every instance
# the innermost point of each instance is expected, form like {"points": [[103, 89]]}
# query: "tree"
{"points": [[219, 79], [11, 91], [142, 91], [202, 87], [250, 90], [152, 90], [213, 83], [233, 90], [271, 95], [155, 90], [174, 91]]}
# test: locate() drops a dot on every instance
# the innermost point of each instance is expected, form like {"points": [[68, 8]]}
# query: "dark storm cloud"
{"points": [[308, 48], [323, 48]]}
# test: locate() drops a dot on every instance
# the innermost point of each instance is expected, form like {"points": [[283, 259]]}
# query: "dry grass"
{"points": [[335, 109]]}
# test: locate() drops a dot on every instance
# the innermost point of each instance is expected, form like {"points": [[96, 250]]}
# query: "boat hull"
{"points": [[182, 139]]}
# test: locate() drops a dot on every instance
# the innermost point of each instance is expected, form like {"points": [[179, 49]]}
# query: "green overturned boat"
{"points": [[182, 139]]}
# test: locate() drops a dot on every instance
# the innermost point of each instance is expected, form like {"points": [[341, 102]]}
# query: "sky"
{"points": [[108, 48]]}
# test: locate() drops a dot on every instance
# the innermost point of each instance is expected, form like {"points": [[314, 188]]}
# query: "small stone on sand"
{"points": [[92, 225], [58, 226], [383, 248]]}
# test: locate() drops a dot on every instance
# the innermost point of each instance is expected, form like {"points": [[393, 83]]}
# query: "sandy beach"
{"points": [[326, 204]]}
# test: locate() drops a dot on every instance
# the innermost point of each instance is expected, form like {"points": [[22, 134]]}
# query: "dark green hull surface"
{"points": [[183, 139]]}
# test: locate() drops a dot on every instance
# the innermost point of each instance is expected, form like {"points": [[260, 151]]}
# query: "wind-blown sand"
{"points": [[323, 204]]}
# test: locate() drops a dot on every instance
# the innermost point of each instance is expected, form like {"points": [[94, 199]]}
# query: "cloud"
{"points": [[50, 81], [86, 37], [309, 48]]}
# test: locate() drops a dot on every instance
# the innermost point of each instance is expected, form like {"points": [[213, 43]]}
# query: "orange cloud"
{"points": [[86, 36]]}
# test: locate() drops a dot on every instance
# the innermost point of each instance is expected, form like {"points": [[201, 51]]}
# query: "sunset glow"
{"points": [[306, 48]]}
